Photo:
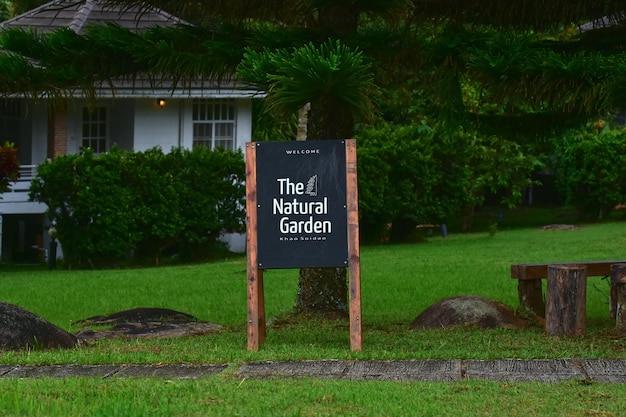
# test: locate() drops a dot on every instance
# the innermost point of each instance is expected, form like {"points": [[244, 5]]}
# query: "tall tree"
{"points": [[520, 66], [333, 77]]}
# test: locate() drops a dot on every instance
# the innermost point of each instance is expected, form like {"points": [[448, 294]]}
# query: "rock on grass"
{"points": [[468, 310], [21, 329]]}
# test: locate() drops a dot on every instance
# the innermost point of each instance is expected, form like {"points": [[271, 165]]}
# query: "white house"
{"points": [[135, 116]]}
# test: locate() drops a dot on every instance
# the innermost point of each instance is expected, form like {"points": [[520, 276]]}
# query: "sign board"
{"points": [[301, 211], [301, 204]]}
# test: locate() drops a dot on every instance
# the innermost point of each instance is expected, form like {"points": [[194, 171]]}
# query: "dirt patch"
{"points": [[145, 323], [560, 227]]}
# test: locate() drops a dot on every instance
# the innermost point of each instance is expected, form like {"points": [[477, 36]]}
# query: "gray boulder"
{"points": [[468, 310], [21, 329]]}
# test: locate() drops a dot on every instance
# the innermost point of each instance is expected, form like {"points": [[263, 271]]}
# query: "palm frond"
{"points": [[294, 77]]}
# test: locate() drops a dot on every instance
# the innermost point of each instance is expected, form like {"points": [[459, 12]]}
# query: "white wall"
{"points": [[155, 126], [244, 123], [140, 124]]}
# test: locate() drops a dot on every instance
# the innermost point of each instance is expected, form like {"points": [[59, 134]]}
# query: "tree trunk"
{"points": [[325, 290], [329, 120], [566, 304], [322, 290], [303, 117]]}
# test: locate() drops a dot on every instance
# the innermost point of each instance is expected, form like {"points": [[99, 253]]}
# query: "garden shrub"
{"points": [[405, 179], [415, 174], [590, 166], [211, 193], [121, 205], [489, 165]]}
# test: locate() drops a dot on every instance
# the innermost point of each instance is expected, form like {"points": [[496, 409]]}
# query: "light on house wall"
{"points": [[161, 102]]}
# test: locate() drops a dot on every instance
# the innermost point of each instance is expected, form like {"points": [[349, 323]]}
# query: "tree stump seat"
{"points": [[566, 300], [530, 290]]}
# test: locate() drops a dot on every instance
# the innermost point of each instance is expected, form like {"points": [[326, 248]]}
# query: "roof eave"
{"points": [[180, 94]]}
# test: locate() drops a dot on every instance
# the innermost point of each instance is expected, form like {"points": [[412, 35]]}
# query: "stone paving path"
{"points": [[511, 370]]}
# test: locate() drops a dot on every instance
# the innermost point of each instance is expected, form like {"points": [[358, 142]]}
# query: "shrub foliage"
{"points": [[590, 166], [410, 175], [121, 205]]}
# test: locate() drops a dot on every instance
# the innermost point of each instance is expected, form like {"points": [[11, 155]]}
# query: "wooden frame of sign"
{"points": [[349, 219]]}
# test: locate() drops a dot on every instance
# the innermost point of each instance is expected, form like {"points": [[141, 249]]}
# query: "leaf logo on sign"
{"points": [[311, 186]]}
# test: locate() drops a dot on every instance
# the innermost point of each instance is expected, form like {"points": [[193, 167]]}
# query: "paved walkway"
{"points": [[600, 370]]}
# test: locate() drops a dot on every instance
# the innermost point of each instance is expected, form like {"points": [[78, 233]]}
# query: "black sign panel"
{"points": [[301, 204]]}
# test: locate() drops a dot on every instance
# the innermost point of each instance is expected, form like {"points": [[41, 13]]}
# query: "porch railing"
{"points": [[28, 172]]}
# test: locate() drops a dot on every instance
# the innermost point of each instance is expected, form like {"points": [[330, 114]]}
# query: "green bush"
{"points": [[590, 166], [490, 166], [211, 194], [410, 175], [405, 179], [123, 205]]}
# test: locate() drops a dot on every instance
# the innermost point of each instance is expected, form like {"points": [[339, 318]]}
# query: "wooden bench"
{"points": [[529, 278]]}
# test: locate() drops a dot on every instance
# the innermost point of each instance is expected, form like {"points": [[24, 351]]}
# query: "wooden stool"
{"points": [[566, 300]]}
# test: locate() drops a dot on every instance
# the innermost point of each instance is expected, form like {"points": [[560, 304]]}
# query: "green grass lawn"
{"points": [[227, 396], [398, 282]]}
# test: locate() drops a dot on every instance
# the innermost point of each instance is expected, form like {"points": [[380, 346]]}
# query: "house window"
{"points": [[214, 123], [95, 132]]}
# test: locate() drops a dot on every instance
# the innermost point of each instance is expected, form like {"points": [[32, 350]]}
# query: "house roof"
{"points": [[604, 22], [76, 14], [143, 87]]}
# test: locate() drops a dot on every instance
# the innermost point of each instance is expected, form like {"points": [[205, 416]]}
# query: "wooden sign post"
{"points": [[302, 211]]}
